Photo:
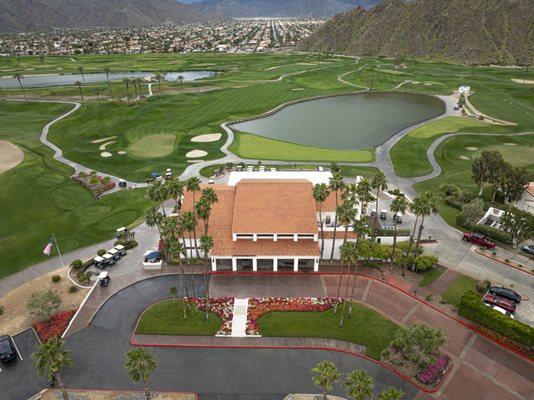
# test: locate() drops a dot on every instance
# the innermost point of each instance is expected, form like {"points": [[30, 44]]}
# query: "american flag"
{"points": [[48, 247]]}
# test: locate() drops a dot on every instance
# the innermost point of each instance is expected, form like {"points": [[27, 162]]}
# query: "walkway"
{"points": [[239, 318]]}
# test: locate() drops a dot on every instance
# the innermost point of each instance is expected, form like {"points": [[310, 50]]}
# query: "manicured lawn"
{"points": [[461, 285], [256, 147], [167, 318], [365, 327], [430, 277]]}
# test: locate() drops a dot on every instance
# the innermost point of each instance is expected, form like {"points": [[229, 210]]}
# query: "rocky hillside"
{"points": [[476, 31]]}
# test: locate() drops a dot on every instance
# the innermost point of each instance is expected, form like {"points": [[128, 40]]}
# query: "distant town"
{"points": [[235, 36]]}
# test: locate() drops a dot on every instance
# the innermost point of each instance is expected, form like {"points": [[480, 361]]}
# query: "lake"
{"points": [[345, 122], [70, 79]]}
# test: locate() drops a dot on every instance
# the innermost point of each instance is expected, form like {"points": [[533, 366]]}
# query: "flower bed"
{"points": [[435, 372], [259, 306], [95, 183], [55, 326], [223, 307]]}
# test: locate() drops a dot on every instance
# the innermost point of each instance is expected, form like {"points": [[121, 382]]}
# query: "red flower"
{"points": [[55, 326]]}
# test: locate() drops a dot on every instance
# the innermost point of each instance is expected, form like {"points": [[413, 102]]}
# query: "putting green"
{"points": [[159, 145], [49, 180], [92, 213]]}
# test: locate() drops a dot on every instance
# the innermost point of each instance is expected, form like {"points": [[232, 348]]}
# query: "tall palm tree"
{"points": [[210, 195], [19, 77], [159, 77], [175, 189], [362, 229], [336, 185], [379, 183], [320, 194], [51, 359], [140, 364], [391, 393], [79, 84], [176, 249], [326, 374], [417, 207], [159, 193], [189, 223], [206, 244], [107, 71], [349, 255], [347, 215], [359, 385], [398, 206], [203, 211], [363, 193], [80, 68], [193, 185], [154, 218], [431, 206]]}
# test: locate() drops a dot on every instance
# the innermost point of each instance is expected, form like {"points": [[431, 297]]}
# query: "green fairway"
{"points": [[167, 318], [257, 147], [39, 199], [461, 285], [365, 327], [409, 157]]}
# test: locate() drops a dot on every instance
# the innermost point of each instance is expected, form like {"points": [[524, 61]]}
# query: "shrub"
{"points": [[82, 277], [449, 189], [483, 286], [73, 289], [453, 202], [42, 305], [101, 252], [54, 327], [56, 278], [425, 262], [428, 297], [77, 264], [472, 307]]}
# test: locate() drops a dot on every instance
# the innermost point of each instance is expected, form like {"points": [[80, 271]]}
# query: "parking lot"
{"points": [[19, 377]]}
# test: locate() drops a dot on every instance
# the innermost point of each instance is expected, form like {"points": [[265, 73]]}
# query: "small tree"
{"points": [[473, 211], [517, 224], [326, 374], [140, 364], [359, 385], [391, 393], [50, 361], [42, 305], [419, 343], [513, 184]]}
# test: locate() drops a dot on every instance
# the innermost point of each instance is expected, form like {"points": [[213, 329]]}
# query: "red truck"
{"points": [[493, 300], [479, 239]]}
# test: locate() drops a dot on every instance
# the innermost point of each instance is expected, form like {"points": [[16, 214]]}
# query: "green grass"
{"points": [[461, 285], [430, 277], [256, 147], [158, 145], [365, 327], [39, 199], [167, 318]]}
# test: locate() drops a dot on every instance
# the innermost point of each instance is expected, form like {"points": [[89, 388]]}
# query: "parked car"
{"points": [[7, 349], [383, 214], [528, 248], [506, 293], [494, 300], [502, 311], [479, 239]]}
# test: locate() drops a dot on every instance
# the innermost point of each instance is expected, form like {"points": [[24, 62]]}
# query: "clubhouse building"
{"points": [[269, 220]]}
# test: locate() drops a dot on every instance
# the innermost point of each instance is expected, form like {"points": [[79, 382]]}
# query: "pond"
{"points": [[345, 122], [70, 79]]}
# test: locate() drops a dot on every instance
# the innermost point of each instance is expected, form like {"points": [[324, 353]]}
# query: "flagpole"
{"points": [[58, 252]]}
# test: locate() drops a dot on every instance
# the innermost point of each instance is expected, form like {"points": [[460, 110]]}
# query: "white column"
{"points": [[254, 264], [296, 237], [213, 264], [316, 237], [234, 237], [254, 237], [275, 238], [316, 264], [234, 264], [275, 264], [295, 264]]}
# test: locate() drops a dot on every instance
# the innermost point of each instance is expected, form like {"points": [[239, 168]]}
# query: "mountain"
{"points": [[36, 15], [475, 31], [280, 8]]}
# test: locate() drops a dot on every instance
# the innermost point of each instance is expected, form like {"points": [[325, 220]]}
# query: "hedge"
{"points": [[472, 307], [492, 233]]}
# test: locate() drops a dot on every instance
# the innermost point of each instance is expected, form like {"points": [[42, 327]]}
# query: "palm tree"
{"points": [[398, 206], [349, 255], [210, 195], [158, 192], [175, 248], [206, 244], [363, 193], [362, 229], [189, 223], [19, 78], [154, 218], [336, 185], [347, 215], [416, 208], [320, 194], [80, 68], [175, 189], [180, 78], [359, 385], [79, 84], [193, 185], [326, 374], [379, 183], [391, 393], [107, 71], [203, 211], [159, 76], [50, 361], [431, 206], [140, 364]]}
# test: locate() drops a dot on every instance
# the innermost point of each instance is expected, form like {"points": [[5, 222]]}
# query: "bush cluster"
{"points": [[76, 264], [492, 233], [101, 252], [56, 278], [73, 289], [472, 307]]}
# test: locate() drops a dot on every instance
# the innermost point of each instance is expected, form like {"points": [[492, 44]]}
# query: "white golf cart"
{"points": [[121, 250], [108, 260], [104, 278]]}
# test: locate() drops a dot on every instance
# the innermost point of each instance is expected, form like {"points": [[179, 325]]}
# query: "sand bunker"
{"points": [[105, 154], [209, 137], [464, 157], [103, 140], [103, 146], [470, 148], [510, 144], [298, 89], [194, 161], [196, 154], [121, 152], [528, 81], [10, 155]]}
